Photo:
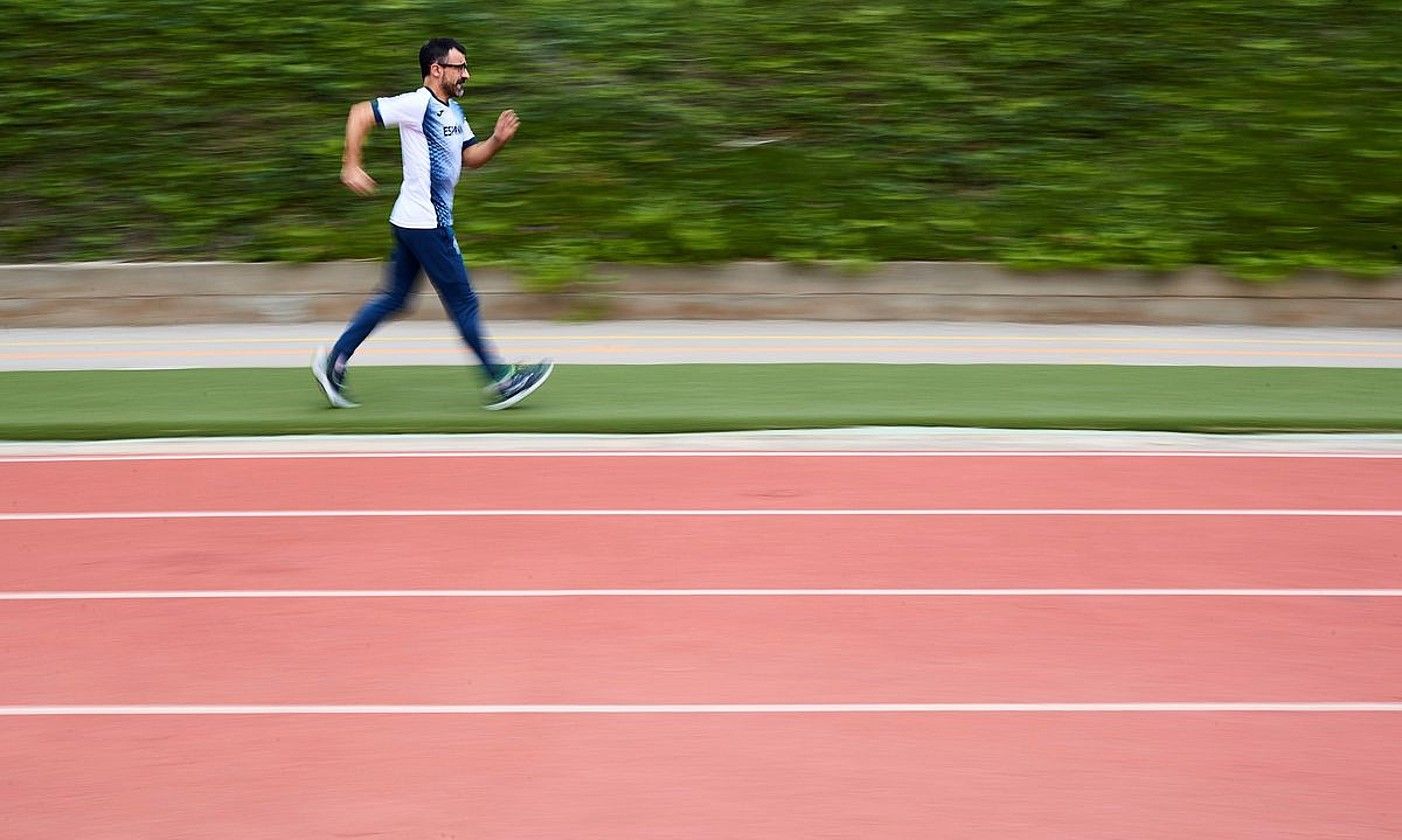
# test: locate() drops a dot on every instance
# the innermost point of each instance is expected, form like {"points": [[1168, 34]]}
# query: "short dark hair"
{"points": [[435, 51]]}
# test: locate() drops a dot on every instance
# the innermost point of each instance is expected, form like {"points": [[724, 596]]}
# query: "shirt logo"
{"points": [[450, 130]]}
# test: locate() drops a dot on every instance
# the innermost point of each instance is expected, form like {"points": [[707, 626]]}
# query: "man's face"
{"points": [[453, 66]]}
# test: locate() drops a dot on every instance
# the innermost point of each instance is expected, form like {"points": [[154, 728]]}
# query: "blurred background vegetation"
{"points": [[1262, 137]]}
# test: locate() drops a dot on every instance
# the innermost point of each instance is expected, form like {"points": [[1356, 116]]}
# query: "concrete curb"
{"points": [[863, 439], [144, 294]]}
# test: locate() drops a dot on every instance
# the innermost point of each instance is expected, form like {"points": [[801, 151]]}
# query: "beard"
{"points": [[452, 90]]}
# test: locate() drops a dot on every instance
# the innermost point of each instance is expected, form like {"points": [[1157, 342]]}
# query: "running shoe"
{"points": [[520, 382], [332, 379]]}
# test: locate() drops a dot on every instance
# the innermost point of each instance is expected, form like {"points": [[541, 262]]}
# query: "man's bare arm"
{"points": [[478, 154], [358, 124]]}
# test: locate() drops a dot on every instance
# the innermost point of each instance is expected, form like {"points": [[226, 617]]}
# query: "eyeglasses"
{"points": [[461, 68]]}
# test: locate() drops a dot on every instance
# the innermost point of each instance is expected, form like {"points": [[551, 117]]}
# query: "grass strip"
{"points": [[640, 399]]}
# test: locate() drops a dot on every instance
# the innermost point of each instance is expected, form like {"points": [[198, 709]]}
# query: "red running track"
{"points": [[1005, 775], [705, 552], [702, 650], [606, 482], [896, 777]]}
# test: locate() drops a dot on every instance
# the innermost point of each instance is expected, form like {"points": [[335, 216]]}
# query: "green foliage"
{"points": [[1041, 133]]}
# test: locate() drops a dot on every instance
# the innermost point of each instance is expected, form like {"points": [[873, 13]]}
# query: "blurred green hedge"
{"points": [[1264, 137]]}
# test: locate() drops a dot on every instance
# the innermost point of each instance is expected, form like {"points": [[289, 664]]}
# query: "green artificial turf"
{"points": [[59, 405]]}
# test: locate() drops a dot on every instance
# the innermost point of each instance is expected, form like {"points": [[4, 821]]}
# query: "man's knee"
{"points": [[466, 306], [393, 303], [458, 296]]}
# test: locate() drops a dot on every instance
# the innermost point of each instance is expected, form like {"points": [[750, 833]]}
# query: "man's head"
{"points": [[443, 63]]}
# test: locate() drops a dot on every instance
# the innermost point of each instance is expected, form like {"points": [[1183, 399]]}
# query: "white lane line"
{"points": [[253, 594], [695, 708], [78, 516], [302, 456]]}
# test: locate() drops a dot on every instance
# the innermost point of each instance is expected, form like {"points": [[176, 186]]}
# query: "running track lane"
{"points": [[900, 552], [794, 482], [690, 650], [682, 777]]}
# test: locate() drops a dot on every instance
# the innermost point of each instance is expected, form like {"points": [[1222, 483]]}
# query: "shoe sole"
{"points": [[515, 398], [319, 371]]}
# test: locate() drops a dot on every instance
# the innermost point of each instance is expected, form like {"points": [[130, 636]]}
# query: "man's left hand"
{"points": [[507, 124]]}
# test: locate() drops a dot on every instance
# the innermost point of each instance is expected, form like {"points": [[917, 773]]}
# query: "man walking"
{"points": [[436, 143]]}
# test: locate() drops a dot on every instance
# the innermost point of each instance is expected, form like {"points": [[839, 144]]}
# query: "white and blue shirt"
{"points": [[432, 135]]}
